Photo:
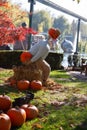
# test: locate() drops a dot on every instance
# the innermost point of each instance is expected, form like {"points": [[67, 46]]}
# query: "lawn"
{"points": [[62, 106]]}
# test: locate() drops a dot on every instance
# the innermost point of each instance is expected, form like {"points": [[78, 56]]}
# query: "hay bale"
{"points": [[28, 72]]}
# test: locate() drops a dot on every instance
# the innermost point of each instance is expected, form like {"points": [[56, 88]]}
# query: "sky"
{"points": [[68, 4]]}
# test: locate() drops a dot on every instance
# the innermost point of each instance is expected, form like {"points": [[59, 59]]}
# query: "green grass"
{"points": [[51, 116]]}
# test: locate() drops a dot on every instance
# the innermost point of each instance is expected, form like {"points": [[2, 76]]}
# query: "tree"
{"points": [[73, 27], [41, 21], [83, 27], [15, 13], [9, 33], [6, 27], [62, 23]]}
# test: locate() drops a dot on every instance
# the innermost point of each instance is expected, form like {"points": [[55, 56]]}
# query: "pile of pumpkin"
{"points": [[34, 84], [26, 84], [15, 116]]}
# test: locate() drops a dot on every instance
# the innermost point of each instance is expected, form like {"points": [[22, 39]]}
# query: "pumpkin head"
{"points": [[23, 84], [54, 33], [31, 111], [17, 116], [25, 56], [36, 85], [5, 102], [5, 122]]}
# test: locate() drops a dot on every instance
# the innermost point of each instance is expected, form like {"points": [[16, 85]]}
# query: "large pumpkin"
{"points": [[17, 116], [36, 85], [5, 122], [25, 56], [5, 102], [23, 84], [31, 111]]}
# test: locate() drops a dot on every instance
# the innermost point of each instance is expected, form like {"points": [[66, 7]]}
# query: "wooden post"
{"points": [[78, 28], [32, 2]]}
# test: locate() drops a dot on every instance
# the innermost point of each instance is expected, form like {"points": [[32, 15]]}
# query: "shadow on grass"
{"points": [[59, 74], [7, 89], [12, 91], [62, 117], [82, 126]]}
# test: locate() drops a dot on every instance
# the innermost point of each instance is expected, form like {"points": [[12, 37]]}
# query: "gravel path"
{"points": [[78, 75]]}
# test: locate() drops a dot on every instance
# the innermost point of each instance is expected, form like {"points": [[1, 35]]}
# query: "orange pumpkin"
{"points": [[5, 122], [5, 102], [23, 84], [31, 111], [54, 33], [36, 85], [17, 116], [25, 56]]}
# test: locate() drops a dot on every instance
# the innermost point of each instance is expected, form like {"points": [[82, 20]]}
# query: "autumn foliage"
{"points": [[9, 33]]}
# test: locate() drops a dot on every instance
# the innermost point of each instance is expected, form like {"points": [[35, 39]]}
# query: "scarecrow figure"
{"points": [[37, 54]]}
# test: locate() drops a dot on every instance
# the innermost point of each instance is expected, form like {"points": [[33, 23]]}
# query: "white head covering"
{"points": [[67, 46]]}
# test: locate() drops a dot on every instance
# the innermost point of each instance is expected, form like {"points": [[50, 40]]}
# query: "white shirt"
{"points": [[39, 50]]}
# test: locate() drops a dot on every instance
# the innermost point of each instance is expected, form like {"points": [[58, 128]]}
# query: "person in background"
{"points": [[40, 51], [4, 47], [22, 45]]}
